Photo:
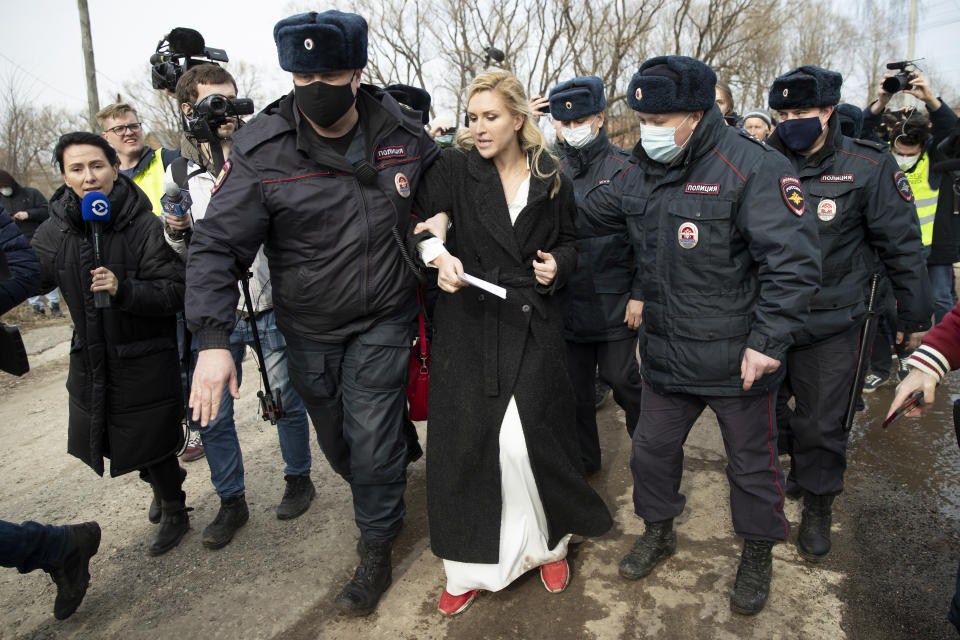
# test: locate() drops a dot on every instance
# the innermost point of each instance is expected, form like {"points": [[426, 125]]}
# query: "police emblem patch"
{"points": [[903, 185], [638, 94], [688, 235], [792, 194], [568, 104], [827, 210], [402, 184], [221, 177], [785, 92], [308, 44]]}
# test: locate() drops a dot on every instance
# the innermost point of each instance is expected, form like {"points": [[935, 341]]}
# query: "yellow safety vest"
{"points": [[151, 181], [924, 197]]}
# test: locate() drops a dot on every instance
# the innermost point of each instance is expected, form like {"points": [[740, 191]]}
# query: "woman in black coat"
{"points": [[124, 379], [501, 405]]}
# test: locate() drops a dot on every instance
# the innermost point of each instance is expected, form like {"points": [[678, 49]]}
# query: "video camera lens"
{"points": [[898, 82]]}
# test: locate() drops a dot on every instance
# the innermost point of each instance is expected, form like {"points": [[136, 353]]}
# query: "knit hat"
{"points": [[672, 83], [413, 98], [806, 86], [573, 99], [316, 42], [758, 113]]}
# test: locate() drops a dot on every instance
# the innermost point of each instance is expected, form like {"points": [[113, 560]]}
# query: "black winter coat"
{"points": [[597, 294], [124, 381], [861, 204], [335, 264], [728, 259], [486, 350], [19, 269], [30, 200]]}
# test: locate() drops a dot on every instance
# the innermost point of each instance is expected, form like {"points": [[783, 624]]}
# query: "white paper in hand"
{"points": [[489, 287]]}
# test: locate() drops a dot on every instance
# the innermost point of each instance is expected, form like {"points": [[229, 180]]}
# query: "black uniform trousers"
{"points": [[753, 468], [617, 365], [355, 394], [820, 377]]}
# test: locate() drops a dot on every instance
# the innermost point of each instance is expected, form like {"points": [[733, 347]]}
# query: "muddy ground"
{"points": [[891, 574]]}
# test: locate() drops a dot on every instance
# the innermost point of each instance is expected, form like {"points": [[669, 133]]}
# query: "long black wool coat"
{"points": [[486, 350], [124, 379]]}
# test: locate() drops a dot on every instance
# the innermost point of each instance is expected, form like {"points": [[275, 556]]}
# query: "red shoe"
{"points": [[555, 576], [452, 605]]}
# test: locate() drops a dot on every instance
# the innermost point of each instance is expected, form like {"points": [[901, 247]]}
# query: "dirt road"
{"points": [[890, 576]]}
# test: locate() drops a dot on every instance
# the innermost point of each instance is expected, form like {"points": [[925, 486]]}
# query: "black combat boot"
{"points": [[233, 514], [813, 539], [154, 513], [296, 497], [752, 586], [657, 542], [174, 524], [71, 574], [370, 580]]}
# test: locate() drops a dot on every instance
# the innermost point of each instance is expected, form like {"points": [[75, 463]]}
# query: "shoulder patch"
{"points": [[792, 194], [221, 178], [903, 185]]}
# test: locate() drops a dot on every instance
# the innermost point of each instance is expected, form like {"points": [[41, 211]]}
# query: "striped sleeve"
{"points": [[930, 361]]}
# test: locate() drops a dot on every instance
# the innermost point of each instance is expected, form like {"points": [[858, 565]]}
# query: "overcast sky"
{"points": [[41, 49]]}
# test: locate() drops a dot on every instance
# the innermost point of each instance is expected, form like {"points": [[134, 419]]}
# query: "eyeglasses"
{"points": [[133, 127]]}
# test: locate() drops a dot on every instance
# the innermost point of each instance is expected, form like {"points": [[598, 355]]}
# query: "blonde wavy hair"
{"points": [[532, 142]]}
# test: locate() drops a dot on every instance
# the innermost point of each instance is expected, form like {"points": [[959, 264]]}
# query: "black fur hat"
{"points": [[806, 86], [851, 119], [672, 83], [316, 42], [411, 97], [582, 96]]}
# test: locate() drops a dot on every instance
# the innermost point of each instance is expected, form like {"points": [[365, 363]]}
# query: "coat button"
{"points": [[480, 298], [525, 308]]}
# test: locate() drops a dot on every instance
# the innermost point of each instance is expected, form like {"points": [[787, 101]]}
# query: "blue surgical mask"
{"points": [[579, 137], [800, 134], [660, 144], [444, 139]]}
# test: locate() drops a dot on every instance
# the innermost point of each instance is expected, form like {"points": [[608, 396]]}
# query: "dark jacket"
{"points": [[945, 248], [124, 379], [726, 260], [486, 350], [19, 269], [597, 294], [335, 264], [30, 200], [861, 204]]}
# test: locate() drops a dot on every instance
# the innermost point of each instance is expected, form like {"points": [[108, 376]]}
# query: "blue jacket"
{"points": [[19, 268]]}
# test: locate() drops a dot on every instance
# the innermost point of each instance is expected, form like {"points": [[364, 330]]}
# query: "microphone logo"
{"points": [[100, 207]]}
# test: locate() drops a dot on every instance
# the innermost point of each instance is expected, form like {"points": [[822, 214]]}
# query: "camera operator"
{"points": [[145, 166], [913, 143], [213, 83]]}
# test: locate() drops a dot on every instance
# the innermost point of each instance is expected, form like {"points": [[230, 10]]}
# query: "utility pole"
{"points": [[93, 101], [912, 40]]}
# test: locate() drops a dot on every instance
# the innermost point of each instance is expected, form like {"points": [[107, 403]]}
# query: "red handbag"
{"points": [[418, 385]]}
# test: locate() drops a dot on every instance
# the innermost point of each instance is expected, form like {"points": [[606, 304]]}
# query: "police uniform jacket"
{"points": [[727, 256], [596, 295], [19, 270], [326, 226], [862, 206], [124, 379]]}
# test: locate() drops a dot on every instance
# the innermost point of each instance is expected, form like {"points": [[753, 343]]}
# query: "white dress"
{"points": [[523, 524]]}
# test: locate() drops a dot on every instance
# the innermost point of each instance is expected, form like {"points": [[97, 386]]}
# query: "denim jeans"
{"points": [[941, 287], [219, 437], [31, 545]]}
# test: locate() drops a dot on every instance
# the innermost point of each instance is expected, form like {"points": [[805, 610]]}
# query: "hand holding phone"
{"points": [[914, 400]]}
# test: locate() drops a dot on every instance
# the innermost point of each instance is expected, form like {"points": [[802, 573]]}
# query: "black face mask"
{"points": [[324, 103]]}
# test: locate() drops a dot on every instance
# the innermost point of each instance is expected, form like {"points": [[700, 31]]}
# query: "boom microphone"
{"points": [[95, 209]]}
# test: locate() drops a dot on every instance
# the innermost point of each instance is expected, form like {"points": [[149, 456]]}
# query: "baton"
{"points": [[271, 404], [866, 343]]}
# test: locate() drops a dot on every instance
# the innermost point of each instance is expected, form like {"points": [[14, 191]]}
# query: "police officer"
{"points": [[322, 178], [863, 209], [727, 263], [602, 314]]}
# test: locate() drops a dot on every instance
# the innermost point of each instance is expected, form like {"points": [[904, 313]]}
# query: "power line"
{"points": [[38, 79]]}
